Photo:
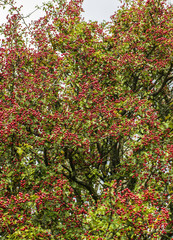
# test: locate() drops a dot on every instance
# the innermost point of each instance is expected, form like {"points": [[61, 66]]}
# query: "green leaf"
{"points": [[19, 151]]}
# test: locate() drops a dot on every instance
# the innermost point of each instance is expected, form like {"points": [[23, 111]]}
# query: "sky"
{"points": [[94, 9]]}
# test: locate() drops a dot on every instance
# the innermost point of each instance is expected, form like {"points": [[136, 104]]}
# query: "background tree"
{"points": [[86, 131]]}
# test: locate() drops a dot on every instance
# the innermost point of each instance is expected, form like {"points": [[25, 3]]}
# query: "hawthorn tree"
{"points": [[86, 133]]}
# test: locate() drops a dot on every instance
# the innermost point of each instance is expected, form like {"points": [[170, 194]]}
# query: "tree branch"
{"points": [[164, 82]]}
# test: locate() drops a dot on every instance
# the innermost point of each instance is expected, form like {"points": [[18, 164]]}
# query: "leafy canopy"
{"points": [[86, 132]]}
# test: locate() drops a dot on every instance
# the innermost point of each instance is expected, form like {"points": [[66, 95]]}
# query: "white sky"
{"points": [[94, 9]]}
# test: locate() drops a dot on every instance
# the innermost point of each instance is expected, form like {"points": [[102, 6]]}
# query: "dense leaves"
{"points": [[86, 132]]}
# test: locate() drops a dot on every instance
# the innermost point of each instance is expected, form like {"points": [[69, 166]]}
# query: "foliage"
{"points": [[86, 123]]}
